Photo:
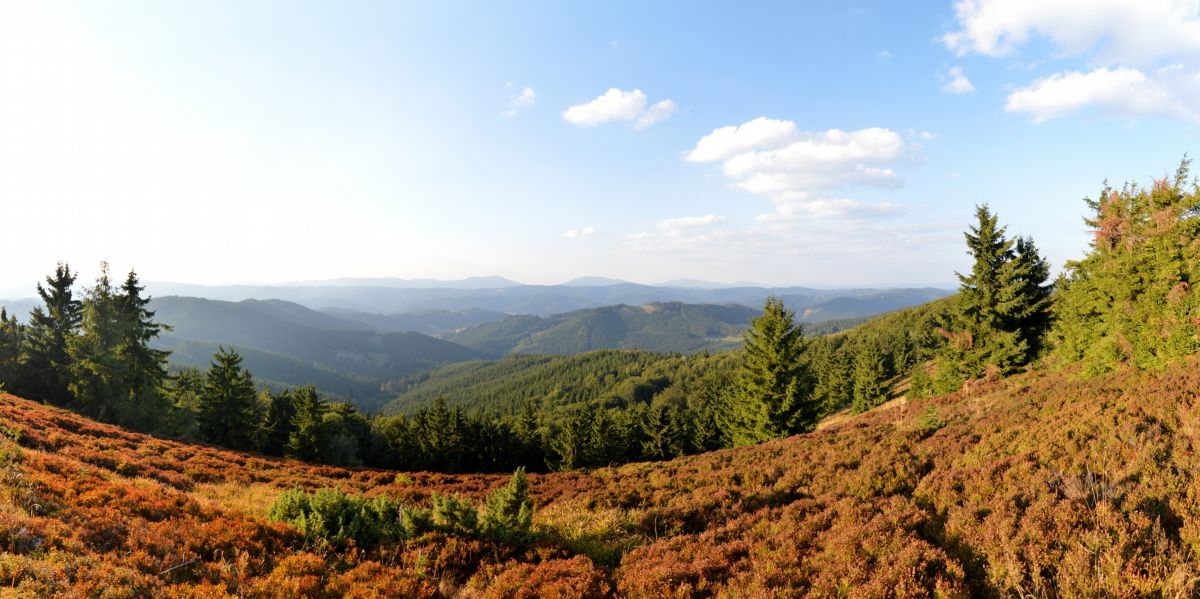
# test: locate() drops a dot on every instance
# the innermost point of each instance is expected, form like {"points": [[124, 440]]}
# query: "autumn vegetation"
{"points": [[1019, 439]]}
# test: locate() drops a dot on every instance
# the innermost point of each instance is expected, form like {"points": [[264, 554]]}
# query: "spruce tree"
{"points": [[277, 426], [308, 435], [871, 385], [228, 409], [144, 368], [97, 376], [773, 388], [45, 358], [1003, 306]]}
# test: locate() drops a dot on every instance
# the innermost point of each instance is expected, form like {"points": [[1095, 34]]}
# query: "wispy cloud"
{"points": [[580, 233], [517, 101], [957, 82]]}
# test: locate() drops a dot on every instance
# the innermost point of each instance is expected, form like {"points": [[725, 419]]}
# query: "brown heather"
{"points": [[1039, 485]]}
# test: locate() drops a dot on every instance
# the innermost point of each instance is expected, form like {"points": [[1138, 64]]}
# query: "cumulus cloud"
{"points": [[1119, 31], [1122, 90], [958, 82], [1144, 55], [619, 105], [797, 170], [580, 233], [724, 142]]}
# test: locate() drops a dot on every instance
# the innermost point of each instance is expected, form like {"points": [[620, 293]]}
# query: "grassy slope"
{"points": [[1040, 485]]}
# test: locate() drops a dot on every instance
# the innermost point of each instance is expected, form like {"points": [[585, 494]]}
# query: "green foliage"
{"points": [[659, 327], [307, 439], [45, 360], [920, 383], [507, 514], [228, 411], [1131, 300], [337, 518], [1003, 307], [871, 381], [454, 515], [773, 387], [930, 421]]}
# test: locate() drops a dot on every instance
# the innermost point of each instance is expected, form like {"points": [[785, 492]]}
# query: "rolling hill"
{"points": [[293, 345], [661, 327], [1038, 484]]}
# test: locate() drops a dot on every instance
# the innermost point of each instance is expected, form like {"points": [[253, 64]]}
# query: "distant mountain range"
{"points": [[493, 294], [353, 337]]}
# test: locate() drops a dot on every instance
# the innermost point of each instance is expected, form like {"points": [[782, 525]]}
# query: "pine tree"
{"points": [[45, 357], [144, 368], [308, 436], [773, 387], [228, 407], [277, 426], [1003, 306], [871, 386], [97, 376]]}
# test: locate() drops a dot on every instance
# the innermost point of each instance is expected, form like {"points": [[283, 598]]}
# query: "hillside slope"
{"points": [[661, 327], [293, 345], [1039, 484]]}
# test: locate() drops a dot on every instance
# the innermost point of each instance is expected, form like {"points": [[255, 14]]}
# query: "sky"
{"points": [[826, 144]]}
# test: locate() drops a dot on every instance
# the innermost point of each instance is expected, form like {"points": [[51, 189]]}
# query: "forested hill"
{"points": [[290, 344], [661, 327]]}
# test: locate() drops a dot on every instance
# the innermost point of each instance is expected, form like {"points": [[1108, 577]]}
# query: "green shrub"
{"points": [[930, 421], [507, 513], [336, 517], [454, 515]]}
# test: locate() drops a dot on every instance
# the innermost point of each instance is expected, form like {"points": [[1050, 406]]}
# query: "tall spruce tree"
{"points": [[1003, 306], [45, 357], [97, 376], [773, 387], [228, 412], [144, 368]]}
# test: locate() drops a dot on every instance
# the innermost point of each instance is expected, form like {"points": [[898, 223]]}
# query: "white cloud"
{"points": [[660, 111], [958, 83], [1142, 54], [618, 105], [517, 101], [724, 142], [1122, 90], [580, 233], [1119, 31], [883, 54], [798, 170]]}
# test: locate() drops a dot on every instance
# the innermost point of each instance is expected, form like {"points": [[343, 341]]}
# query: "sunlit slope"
{"points": [[1040, 484]]}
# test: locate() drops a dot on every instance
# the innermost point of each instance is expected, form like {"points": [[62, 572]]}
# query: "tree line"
{"points": [[93, 354]]}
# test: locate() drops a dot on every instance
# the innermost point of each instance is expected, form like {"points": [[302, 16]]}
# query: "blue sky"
{"points": [[825, 144]]}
